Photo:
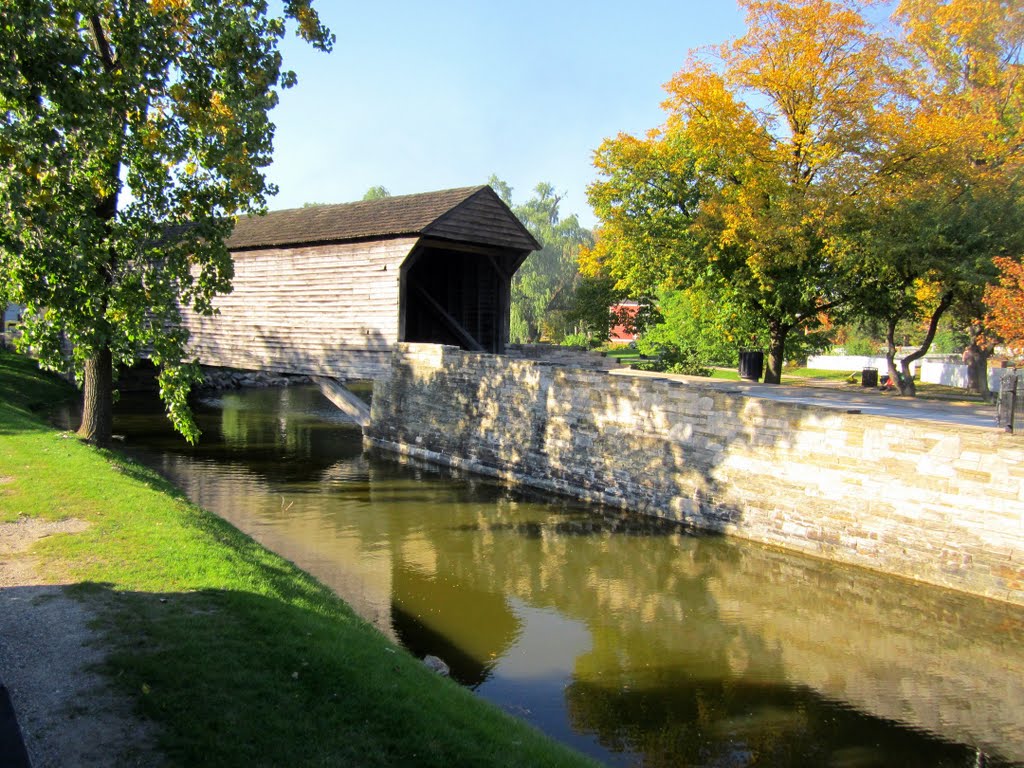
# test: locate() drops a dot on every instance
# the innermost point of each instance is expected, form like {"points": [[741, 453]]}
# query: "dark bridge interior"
{"points": [[457, 297]]}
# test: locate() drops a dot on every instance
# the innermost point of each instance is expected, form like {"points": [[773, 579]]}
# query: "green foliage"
{"points": [[501, 187], [131, 135], [949, 341], [861, 335], [577, 340], [543, 286], [800, 346], [589, 312], [671, 358], [707, 320], [646, 198], [376, 193], [867, 335], [861, 345], [941, 241]]}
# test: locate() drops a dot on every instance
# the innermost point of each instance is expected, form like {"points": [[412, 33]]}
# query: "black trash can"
{"points": [[751, 364], [869, 377]]}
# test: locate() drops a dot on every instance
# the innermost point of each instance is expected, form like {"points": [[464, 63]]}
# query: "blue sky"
{"points": [[419, 96]]}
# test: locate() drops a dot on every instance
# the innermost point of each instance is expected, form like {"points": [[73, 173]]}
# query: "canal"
{"points": [[635, 642]]}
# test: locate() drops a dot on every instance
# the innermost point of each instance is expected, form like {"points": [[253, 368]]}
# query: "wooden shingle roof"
{"points": [[468, 214]]}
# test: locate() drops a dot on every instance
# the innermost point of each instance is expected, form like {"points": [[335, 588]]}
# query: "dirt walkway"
{"points": [[49, 653]]}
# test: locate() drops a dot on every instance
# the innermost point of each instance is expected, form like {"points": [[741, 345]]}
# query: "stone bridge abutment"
{"points": [[937, 503]]}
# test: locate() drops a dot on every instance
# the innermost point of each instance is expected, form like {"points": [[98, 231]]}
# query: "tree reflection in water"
{"points": [[629, 638]]}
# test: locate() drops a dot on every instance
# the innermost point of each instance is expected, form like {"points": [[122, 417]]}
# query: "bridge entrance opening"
{"points": [[457, 297]]}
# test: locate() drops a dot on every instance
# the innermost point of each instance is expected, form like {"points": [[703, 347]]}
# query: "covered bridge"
{"points": [[327, 290]]}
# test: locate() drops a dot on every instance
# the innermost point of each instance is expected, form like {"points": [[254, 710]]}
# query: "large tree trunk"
{"points": [[777, 333], [98, 407], [907, 386], [98, 390], [890, 350], [976, 358]]}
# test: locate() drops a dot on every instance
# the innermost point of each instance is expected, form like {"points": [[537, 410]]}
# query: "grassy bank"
{"points": [[237, 656]]}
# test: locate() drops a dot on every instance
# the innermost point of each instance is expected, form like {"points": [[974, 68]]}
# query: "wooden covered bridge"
{"points": [[327, 290]]}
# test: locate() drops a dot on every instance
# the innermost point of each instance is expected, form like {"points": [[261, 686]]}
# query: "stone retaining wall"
{"points": [[931, 502]]}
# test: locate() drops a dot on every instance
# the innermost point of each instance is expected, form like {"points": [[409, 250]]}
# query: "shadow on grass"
{"points": [[232, 678], [25, 391]]}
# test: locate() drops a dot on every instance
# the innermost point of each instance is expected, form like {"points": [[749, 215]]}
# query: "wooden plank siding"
{"points": [[328, 290], [323, 310]]}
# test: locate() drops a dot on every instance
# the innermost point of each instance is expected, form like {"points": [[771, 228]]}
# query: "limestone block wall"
{"points": [[935, 503]]}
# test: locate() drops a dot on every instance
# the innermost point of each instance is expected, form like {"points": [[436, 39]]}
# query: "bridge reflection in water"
{"points": [[630, 640]]}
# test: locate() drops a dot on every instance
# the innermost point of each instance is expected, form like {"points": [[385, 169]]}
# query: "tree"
{"points": [[590, 316], [1005, 303], [746, 182], [376, 193], [133, 133], [828, 166], [945, 197], [928, 255], [543, 286], [701, 319]]}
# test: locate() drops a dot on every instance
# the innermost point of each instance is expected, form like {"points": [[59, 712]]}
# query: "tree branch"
{"points": [[933, 325], [102, 44]]}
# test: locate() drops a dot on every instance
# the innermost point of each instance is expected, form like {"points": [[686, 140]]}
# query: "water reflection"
{"points": [[628, 639]]}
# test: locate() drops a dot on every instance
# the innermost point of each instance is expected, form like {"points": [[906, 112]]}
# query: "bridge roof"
{"points": [[468, 214]]}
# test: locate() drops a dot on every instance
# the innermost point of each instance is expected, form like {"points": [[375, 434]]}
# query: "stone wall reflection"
{"points": [[664, 607], [699, 649]]}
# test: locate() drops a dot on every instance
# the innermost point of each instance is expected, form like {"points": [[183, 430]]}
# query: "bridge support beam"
{"points": [[344, 399]]}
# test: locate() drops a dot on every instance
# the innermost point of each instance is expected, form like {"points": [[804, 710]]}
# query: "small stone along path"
{"points": [[66, 713]]}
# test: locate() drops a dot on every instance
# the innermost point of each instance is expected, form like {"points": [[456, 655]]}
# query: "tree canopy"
{"points": [[743, 182], [944, 196], [133, 132], [822, 163], [544, 285]]}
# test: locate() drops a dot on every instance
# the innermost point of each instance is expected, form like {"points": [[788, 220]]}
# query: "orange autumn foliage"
{"points": [[1005, 303]]}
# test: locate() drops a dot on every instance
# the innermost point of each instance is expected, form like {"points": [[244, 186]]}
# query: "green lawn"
{"points": [[727, 374], [818, 373], [240, 658], [790, 375]]}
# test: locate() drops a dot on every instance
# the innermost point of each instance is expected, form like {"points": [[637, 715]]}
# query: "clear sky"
{"points": [[420, 96]]}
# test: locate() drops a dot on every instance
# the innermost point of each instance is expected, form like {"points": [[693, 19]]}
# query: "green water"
{"points": [[635, 642]]}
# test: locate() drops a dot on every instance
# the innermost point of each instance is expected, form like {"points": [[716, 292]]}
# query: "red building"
{"points": [[620, 333]]}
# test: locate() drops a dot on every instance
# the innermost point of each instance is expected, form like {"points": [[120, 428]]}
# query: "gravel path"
{"points": [[68, 715]]}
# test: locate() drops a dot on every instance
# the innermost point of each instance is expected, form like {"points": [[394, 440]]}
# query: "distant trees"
{"points": [[825, 166], [376, 193], [543, 288]]}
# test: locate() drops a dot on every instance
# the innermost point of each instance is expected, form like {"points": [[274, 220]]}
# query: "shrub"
{"points": [[673, 359]]}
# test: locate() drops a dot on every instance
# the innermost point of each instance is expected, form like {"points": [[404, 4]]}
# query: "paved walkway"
{"points": [[826, 394]]}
